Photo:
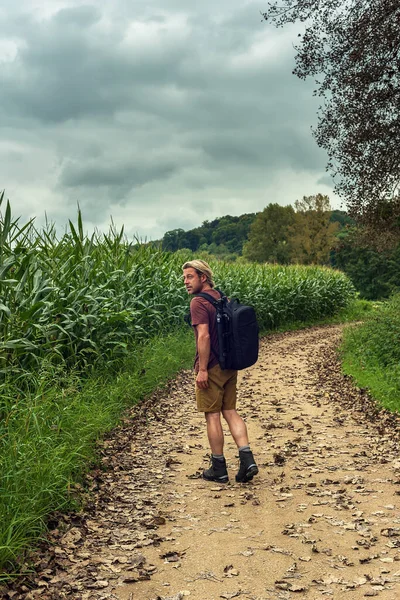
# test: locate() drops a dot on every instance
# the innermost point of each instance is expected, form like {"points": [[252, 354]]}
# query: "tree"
{"points": [[268, 235], [376, 275], [353, 48], [230, 232], [172, 240], [312, 234], [341, 217], [191, 240]]}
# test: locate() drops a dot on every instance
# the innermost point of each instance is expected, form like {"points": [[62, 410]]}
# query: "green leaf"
{"points": [[5, 309]]}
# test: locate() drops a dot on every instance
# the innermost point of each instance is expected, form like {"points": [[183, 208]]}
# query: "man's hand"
{"points": [[202, 380]]}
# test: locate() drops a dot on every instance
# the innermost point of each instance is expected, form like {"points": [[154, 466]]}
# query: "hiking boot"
{"points": [[217, 472], [247, 468]]}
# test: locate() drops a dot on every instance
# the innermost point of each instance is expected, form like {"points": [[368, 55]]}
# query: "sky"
{"points": [[157, 114]]}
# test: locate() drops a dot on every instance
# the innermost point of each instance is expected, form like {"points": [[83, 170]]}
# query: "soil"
{"points": [[321, 519]]}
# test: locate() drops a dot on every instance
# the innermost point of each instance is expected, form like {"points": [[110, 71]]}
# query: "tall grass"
{"points": [[371, 353], [79, 315], [48, 437]]}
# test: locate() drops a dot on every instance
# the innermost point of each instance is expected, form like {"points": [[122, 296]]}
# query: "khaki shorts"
{"points": [[221, 391]]}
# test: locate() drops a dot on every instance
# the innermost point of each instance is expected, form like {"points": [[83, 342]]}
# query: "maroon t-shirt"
{"points": [[203, 312]]}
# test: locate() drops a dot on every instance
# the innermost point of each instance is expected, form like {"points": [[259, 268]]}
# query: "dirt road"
{"points": [[321, 520]]}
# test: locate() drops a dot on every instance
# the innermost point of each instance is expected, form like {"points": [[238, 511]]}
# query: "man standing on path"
{"points": [[215, 388]]}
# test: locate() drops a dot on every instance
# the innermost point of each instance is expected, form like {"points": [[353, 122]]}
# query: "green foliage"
{"points": [[315, 235], [357, 310], [268, 237], [341, 217], [221, 237], [371, 353], [375, 274], [174, 240], [380, 335], [276, 235], [312, 234], [279, 234], [351, 51]]}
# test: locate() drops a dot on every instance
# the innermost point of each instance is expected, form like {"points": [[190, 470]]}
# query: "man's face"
{"points": [[193, 282]]}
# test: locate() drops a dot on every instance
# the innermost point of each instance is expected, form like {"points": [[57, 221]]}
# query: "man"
{"points": [[215, 388]]}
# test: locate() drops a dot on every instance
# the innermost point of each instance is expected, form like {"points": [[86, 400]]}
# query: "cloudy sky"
{"points": [[160, 114]]}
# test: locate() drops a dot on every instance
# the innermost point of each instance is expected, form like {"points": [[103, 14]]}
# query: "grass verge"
{"points": [[370, 353], [47, 440]]}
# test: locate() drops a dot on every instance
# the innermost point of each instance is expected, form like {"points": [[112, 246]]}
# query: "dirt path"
{"points": [[320, 521]]}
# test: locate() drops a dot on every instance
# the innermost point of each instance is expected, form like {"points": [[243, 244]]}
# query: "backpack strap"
{"points": [[217, 305], [216, 302], [211, 299]]}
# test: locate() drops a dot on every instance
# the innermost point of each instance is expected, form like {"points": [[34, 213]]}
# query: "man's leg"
{"points": [[215, 433], [217, 471], [238, 429], [209, 401]]}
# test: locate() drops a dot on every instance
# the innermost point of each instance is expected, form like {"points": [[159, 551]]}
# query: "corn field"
{"points": [[84, 300]]}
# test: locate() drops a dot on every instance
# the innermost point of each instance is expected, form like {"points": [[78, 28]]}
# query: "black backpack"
{"points": [[237, 330]]}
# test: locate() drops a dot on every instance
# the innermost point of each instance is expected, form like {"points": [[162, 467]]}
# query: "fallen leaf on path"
{"points": [[279, 459], [230, 571], [278, 550], [305, 558], [172, 556], [197, 475], [178, 596], [247, 553], [207, 575], [291, 587], [97, 585], [388, 559], [72, 537], [390, 532]]}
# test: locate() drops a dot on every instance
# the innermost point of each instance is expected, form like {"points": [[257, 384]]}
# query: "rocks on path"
{"points": [[321, 520]]}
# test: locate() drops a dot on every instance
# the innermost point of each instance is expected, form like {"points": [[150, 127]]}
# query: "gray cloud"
{"points": [[127, 174], [158, 114]]}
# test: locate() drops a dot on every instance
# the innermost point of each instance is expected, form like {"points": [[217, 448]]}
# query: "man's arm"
{"points": [[203, 347]]}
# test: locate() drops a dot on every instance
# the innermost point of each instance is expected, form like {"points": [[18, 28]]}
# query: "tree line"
{"points": [[309, 232]]}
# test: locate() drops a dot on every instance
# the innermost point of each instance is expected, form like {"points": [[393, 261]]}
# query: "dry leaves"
{"points": [[229, 571]]}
